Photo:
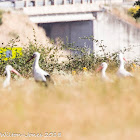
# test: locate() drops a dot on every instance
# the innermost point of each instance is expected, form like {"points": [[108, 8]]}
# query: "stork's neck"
{"points": [[103, 72], [36, 62], [8, 76], [121, 64]]}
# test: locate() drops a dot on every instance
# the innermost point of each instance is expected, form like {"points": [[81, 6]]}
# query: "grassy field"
{"points": [[81, 107]]}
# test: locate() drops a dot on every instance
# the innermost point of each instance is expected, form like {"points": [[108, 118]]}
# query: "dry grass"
{"points": [[122, 13], [18, 24], [81, 107]]}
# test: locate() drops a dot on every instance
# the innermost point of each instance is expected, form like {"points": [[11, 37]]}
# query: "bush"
{"points": [[135, 11], [78, 58], [132, 11], [81, 59], [24, 68]]}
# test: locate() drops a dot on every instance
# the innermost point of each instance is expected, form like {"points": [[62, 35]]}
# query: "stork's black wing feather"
{"points": [[49, 80]]}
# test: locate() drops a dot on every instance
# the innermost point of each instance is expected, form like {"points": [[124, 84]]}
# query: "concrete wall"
{"points": [[117, 34], [72, 30]]}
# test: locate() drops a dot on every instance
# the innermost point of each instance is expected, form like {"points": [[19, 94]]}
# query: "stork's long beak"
{"points": [[17, 73], [30, 59], [124, 59], [99, 68]]}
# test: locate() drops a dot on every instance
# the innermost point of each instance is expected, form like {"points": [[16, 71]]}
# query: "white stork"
{"points": [[121, 71], [103, 67], [8, 71], [39, 74]]}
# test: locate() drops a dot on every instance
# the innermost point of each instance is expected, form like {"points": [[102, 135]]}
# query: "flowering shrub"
{"points": [[132, 11], [135, 11], [78, 59]]}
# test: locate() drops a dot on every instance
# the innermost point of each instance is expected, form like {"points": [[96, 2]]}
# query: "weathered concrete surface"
{"points": [[61, 9], [62, 18], [116, 34], [72, 30]]}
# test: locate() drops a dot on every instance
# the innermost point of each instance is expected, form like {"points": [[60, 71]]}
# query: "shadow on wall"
{"points": [[70, 32]]}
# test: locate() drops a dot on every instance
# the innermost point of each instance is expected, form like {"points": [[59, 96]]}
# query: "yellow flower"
{"points": [[84, 68], [134, 65], [132, 68], [133, 10], [73, 72]]}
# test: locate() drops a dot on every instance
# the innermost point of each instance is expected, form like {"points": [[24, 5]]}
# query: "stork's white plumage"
{"points": [[121, 71], [8, 71], [103, 67], [39, 74]]}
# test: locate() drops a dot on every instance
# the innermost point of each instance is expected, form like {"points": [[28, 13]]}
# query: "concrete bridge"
{"points": [[71, 19], [65, 19], [62, 11]]}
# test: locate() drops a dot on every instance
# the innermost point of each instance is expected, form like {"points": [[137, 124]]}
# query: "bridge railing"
{"points": [[48, 7], [61, 9], [35, 3], [21, 4]]}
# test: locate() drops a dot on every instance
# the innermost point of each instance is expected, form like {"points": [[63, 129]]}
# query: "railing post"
{"points": [[44, 2], [35, 3], [54, 2], [26, 3], [73, 2], [64, 2], [90, 1], [81, 1]]}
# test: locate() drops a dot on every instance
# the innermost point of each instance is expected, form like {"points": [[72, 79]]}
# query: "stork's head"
{"points": [[121, 57], [35, 55], [104, 65], [10, 68]]}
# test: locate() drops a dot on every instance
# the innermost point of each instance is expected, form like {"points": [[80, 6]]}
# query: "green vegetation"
{"points": [[76, 60], [135, 11], [137, 14]]}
